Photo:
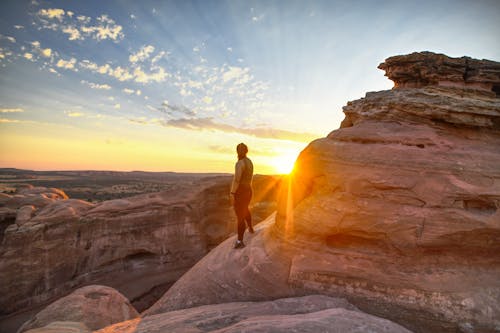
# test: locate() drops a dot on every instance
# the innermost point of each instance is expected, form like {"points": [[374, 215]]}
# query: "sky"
{"points": [[176, 85]]}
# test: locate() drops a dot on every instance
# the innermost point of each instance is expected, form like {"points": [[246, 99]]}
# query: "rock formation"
{"points": [[302, 314], [93, 306], [139, 245], [398, 210]]}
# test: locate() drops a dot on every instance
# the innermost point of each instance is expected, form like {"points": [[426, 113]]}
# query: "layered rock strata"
{"points": [[139, 245], [398, 210]]}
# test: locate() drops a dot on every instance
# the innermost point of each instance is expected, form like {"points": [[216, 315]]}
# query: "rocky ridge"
{"points": [[397, 211], [139, 245]]}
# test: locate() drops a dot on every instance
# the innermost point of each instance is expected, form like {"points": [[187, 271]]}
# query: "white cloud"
{"points": [[138, 92], [10, 110], [73, 33], [104, 69], [46, 52], [236, 73], [87, 64], [83, 19], [117, 106], [66, 64], [10, 39], [141, 77], [128, 91], [52, 13], [108, 29], [194, 84], [122, 74], [185, 92], [257, 18], [207, 99], [141, 55], [230, 49], [96, 85], [127, 74], [18, 27], [158, 57], [28, 56], [80, 26]]}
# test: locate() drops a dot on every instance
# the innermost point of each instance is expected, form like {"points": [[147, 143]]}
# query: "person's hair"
{"points": [[242, 150]]}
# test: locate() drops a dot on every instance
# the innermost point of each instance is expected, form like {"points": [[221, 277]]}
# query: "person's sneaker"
{"points": [[250, 230], [239, 244]]}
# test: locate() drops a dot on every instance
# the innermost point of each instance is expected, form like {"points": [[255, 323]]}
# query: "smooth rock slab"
{"points": [[313, 313]]}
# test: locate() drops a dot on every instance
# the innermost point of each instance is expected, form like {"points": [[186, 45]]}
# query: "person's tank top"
{"points": [[246, 176]]}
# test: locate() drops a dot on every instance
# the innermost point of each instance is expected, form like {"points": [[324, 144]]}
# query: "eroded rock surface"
{"points": [[398, 210]]}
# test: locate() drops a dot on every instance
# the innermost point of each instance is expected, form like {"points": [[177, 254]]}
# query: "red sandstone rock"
{"points": [[398, 211], [421, 69], [93, 306]]}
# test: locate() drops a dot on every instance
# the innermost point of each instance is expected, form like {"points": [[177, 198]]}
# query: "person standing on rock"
{"points": [[241, 192]]}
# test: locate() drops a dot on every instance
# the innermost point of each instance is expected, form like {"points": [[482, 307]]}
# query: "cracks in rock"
{"points": [[467, 70], [420, 230]]}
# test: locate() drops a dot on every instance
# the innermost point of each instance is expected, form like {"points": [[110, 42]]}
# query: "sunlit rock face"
{"points": [[139, 245], [398, 210]]}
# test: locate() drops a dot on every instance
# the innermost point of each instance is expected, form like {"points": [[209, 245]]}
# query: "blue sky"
{"points": [[204, 75]]}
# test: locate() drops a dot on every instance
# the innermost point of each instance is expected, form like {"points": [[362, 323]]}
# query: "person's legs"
{"points": [[248, 219], [240, 211], [248, 215]]}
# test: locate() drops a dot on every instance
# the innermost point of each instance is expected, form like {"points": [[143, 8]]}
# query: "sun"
{"points": [[283, 164]]}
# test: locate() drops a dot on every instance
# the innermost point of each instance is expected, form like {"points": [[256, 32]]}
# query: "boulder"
{"points": [[93, 306]]}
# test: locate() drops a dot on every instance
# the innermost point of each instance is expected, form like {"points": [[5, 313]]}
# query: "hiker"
{"points": [[241, 192]]}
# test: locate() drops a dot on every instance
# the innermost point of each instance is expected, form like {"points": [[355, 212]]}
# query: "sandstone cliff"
{"points": [[139, 245], [398, 210]]}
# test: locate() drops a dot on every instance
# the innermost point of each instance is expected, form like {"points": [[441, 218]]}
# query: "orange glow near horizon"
{"points": [[36, 146]]}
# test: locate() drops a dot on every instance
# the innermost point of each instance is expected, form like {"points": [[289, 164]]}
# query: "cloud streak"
{"points": [[96, 85], [11, 110], [199, 124]]}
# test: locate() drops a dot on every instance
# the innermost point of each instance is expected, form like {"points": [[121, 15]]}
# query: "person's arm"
{"points": [[238, 171]]}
